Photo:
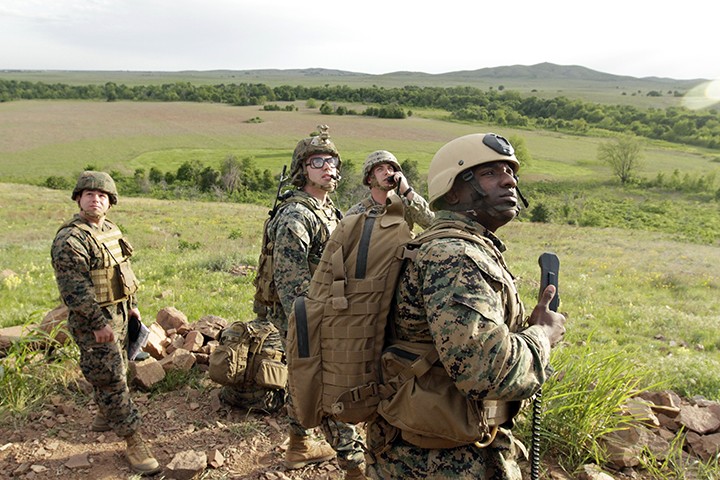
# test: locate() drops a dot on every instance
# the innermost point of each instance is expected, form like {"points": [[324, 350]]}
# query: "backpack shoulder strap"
{"points": [[440, 230]]}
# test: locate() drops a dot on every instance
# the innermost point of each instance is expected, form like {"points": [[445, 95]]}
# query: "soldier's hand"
{"points": [[104, 335], [135, 312], [552, 322], [401, 182]]}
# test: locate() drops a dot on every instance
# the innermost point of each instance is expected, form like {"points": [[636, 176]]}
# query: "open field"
{"points": [[647, 292], [621, 287], [42, 138]]}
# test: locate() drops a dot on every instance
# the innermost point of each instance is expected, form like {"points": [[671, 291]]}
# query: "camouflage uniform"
{"points": [[299, 234], [459, 295], [74, 254], [416, 210]]}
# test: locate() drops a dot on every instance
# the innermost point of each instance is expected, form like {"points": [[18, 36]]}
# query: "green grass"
{"points": [[639, 304]]}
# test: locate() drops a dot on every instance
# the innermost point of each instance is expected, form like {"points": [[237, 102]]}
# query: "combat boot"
{"points": [[356, 473], [303, 450], [100, 423], [139, 456]]}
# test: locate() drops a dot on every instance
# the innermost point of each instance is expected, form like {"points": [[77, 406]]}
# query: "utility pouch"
{"points": [[428, 409], [271, 373], [128, 281], [125, 247]]}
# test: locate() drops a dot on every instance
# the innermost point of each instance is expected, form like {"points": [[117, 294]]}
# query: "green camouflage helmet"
{"points": [[90, 180], [318, 143], [462, 154], [376, 158]]}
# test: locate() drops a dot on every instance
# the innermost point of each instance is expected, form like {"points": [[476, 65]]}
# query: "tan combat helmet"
{"points": [[462, 154], [376, 158], [90, 180], [306, 147]]}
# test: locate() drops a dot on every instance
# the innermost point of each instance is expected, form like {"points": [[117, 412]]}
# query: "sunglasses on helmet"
{"points": [[319, 162], [499, 144]]}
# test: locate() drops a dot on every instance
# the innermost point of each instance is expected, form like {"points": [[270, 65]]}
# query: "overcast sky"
{"points": [[629, 37]]}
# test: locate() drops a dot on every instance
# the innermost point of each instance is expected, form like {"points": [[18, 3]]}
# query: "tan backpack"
{"points": [[342, 363], [244, 360], [336, 334]]}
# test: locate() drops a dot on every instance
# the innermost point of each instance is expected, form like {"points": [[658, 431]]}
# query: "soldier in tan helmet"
{"points": [[382, 174], [457, 305], [91, 259]]}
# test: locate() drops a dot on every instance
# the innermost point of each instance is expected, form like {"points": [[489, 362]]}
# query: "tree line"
{"points": [[236, 180], [500, 107]]}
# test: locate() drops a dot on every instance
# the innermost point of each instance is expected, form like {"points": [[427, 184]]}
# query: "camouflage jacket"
{"points": [[460, 295], [299, 234], [417, 210], [74, 254]]}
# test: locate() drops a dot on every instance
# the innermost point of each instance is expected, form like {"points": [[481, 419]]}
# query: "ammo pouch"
{"points": [[128, 281], [422, 401], [265, 291]]}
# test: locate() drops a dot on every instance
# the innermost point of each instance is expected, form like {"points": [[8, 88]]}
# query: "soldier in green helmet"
{"points": [[382, 174], [91, 259], [298, 233]]}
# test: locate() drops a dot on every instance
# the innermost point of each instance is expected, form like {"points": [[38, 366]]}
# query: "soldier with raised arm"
{"points": [[382, 173], [457, 306]]}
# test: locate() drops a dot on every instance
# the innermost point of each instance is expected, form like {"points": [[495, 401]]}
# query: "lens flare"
{"points": [[702, 96]]}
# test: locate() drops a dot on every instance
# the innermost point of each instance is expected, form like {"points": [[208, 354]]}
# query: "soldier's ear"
{"points": [[451, 197]]}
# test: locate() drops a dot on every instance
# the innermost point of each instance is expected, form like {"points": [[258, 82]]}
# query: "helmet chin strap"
{"points": [[478, 203], [330, 187], [375, 184], [90, 215]]}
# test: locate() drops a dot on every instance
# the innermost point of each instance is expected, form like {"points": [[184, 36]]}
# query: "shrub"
{"points": [[58, 183]]}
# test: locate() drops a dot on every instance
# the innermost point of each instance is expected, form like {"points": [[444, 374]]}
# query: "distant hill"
{"points": [[543, 79]]}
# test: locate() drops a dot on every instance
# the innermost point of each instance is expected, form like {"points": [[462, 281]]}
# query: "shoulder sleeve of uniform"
{"points": [[296, 219], [69, 242], [355, 209], [460, 273], [418, 210]]}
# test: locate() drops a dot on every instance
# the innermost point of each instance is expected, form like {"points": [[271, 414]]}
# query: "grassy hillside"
{"points": [[643, 294], [639, 278], [41, 138]]}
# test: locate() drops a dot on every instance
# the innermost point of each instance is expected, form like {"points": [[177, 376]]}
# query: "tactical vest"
{"points": [[112, 278], [265, 290]]}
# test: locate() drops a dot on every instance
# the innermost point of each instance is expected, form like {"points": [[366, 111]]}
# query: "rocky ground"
{"points": [[57, 442]]}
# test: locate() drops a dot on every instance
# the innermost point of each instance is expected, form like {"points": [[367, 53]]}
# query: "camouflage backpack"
{"points": [[244, 359]]}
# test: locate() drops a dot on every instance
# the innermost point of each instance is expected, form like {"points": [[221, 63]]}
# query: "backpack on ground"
{"points": [[244, 358], [336, 334]]}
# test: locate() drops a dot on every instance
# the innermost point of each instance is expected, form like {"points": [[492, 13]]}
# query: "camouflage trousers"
{"points": [[346, 441], [104, 366], [258, 398], [403, 460]]}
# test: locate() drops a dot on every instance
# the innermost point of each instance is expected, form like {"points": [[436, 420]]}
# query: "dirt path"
{"points": [[54, 439]]}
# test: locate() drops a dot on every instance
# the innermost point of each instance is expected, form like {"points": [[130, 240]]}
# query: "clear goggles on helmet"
{"points": [[499, 144], [319, 162]]}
